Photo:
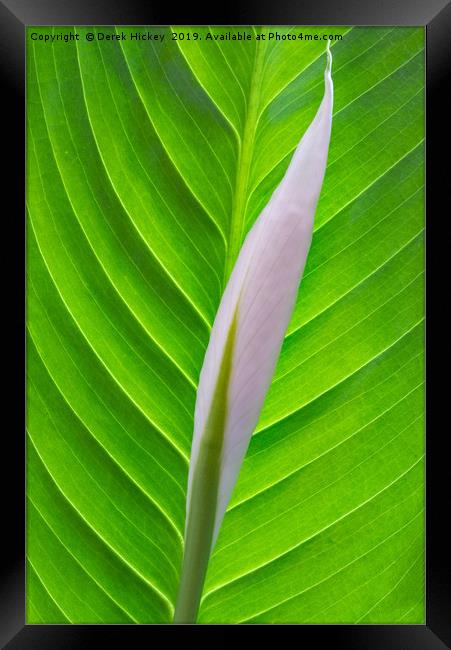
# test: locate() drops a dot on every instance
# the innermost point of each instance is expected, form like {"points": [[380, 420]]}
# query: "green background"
{"points": [[146, 165]]}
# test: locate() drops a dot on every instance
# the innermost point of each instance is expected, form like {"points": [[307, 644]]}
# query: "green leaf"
{"points": [[147, 163]]}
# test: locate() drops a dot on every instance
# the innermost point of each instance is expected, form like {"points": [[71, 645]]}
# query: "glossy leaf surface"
{"points": [[146, 165]]}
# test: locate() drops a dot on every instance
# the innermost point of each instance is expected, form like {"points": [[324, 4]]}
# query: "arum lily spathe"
{"points": [[244, 346]]}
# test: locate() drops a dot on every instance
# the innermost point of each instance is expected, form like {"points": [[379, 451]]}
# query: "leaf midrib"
{"points": [[245, 155]]}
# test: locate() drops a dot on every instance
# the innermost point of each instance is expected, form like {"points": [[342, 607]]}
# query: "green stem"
{"points": [[204, 495], [199, 535]]}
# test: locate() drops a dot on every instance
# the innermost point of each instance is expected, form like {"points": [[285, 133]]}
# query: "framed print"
{"points": [[225, 301]]}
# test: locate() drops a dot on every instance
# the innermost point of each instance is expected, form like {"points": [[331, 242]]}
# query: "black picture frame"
{"points": [[15, 15]]}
